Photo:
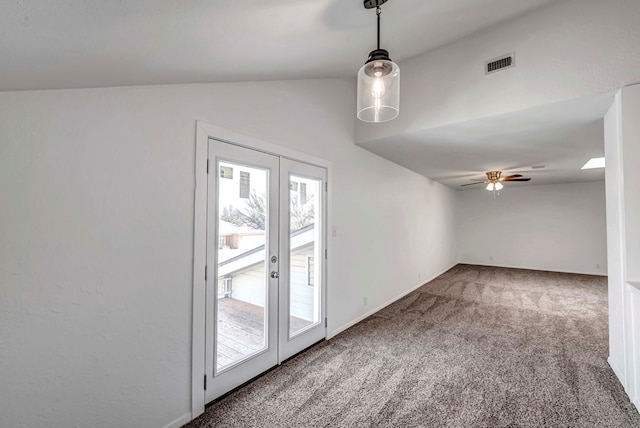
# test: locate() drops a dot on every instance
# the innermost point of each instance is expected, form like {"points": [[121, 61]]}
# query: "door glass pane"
{"points": [[242, 281], [305, 260]]}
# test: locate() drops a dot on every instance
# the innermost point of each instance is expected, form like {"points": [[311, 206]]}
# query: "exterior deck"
{"points": [[241, 329]]}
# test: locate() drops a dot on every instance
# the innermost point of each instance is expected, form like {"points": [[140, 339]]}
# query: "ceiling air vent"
{"points": [[501, 63]]}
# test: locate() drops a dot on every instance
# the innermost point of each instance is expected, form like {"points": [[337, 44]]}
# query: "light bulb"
{"points": [[499, 186], [377, 88], [489, 187]]}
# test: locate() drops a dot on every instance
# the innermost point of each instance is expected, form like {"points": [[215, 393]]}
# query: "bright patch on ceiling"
{"points": [[594, 163]]}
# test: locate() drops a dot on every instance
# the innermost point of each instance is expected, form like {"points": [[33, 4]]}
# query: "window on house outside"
{"points": [[310, 270]]}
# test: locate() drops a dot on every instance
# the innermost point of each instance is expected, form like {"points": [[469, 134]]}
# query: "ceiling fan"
{"points": [[495, 179]]}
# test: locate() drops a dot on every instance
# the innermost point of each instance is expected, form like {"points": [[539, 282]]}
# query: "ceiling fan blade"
{"points": [[471, 184], [518, 179], [508, 177]]}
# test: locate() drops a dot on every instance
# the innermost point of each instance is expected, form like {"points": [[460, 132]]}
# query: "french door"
{"points": [[265, 262]]}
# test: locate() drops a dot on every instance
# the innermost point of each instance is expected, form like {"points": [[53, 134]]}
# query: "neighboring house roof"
{"points": [[299, 239], [226, 228]]}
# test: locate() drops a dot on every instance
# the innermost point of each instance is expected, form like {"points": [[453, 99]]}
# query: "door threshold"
{"points": [[226, 394], [303, 351]]}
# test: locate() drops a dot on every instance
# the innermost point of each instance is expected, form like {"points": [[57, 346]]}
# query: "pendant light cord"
{"points": [[378, 12]]}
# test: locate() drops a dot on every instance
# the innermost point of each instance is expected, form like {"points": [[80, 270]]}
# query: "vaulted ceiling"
{"points": [[79, 43]]}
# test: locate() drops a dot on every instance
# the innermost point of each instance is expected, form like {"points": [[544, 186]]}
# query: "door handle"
{"points": [[275, 274]]}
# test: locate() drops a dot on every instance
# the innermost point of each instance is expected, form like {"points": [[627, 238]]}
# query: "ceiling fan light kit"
{"points": [[494, 186], [378, 81]]}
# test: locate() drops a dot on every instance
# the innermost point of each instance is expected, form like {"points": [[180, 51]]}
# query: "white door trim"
{"points": [[204, 131]]}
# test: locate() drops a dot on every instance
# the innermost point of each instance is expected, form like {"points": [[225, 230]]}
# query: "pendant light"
{"points": [[378, 81]]}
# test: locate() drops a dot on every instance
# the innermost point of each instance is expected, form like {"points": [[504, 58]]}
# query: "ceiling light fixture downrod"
{"points": [[378, 81]]}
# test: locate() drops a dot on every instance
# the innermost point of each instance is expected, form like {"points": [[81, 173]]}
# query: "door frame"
{"points": [[205, 131]]}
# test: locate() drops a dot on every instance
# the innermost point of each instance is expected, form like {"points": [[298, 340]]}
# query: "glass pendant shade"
{"points": [[378, 91], [495, 186]]}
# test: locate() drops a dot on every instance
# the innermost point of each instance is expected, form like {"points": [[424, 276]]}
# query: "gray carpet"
{"points": [[476, 347]]}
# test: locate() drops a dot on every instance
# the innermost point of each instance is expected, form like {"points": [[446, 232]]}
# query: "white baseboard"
{"points": [[634, 400], [384, 305], [186, 418], [533, 268], [617, 372]]}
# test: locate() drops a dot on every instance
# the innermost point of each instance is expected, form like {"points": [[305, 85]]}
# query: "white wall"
{"points": [[631, 178], [96, 227], [622, 145], [631, 200], [615, 237], [555, 227], [566, 50]]}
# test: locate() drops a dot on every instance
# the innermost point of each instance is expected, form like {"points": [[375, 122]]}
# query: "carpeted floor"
{"points": [[476, 347]]}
